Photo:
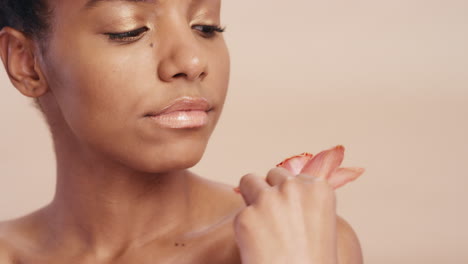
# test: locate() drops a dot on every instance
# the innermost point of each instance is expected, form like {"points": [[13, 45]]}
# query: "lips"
{"points": [[183, 113], [183, 104]]}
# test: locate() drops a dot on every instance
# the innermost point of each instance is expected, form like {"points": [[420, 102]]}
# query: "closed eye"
{"points": [[209, 31], [127, 36]]}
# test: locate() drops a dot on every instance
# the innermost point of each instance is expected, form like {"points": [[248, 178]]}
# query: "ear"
{"points": [[21, 62]]}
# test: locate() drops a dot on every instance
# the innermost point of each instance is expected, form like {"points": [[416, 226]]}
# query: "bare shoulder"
{"points": [[5, 255], [221, 195], [18, 236], [6, 248], [219, 207], [349, 248]]}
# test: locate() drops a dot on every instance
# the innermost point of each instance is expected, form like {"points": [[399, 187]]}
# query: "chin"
{"points": [[165, 159]]}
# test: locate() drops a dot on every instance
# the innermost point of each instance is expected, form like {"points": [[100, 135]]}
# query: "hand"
{"points": [[288, 218]]}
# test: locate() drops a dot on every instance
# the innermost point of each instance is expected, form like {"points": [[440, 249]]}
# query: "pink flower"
{"points": [[325, 164], [306, 163]]}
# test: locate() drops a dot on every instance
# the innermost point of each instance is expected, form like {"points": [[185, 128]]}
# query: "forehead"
{"points": [[89, 4], [92, 3], [69, 9]]}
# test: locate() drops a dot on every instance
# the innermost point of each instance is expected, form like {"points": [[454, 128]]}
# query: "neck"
{"points": [[105, 207]]}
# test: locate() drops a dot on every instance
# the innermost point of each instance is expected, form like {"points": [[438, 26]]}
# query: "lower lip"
{"points": [[181, 119]]}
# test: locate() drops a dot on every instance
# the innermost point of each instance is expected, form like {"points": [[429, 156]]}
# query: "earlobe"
{"points": [[20, 60]]}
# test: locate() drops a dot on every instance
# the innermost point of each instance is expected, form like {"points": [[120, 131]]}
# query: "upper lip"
{"points": [[184, 104]]}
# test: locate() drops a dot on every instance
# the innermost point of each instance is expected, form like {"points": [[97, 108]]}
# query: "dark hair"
{"points": [[29, 16]]}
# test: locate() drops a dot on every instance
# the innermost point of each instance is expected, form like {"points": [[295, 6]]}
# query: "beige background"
{"points": [[387, 79]]}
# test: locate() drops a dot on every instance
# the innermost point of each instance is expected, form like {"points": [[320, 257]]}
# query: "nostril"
{"points": [[180, 75]]}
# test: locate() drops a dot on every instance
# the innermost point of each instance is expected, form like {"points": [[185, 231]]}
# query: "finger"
{"points": [[308, 177], [342, 176], [324, 163], [276, 176], [295, 164], [250, 186]]}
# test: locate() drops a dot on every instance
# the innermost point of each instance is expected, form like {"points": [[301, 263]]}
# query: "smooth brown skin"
{"points": [[124, 194]]}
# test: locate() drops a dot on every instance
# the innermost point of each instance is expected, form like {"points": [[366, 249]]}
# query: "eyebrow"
{"points": [[93, 3]]}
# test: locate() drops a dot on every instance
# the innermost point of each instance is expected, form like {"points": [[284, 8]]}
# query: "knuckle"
{"points": [[264, 196], [243, 220], [277, 170], [289, 187], [271, 171], [318, 190], [323, 192], [276, 176], [294, 191], [247, 178]]}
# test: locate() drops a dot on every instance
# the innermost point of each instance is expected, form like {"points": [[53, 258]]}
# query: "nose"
{"points": [[181, 57]]}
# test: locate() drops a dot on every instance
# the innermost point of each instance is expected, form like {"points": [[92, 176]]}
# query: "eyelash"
{"points": [[208, 31], [127, 36], [213, 30]]}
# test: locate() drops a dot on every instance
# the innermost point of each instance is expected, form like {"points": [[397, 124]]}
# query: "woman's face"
{"points": [[105, 83]]}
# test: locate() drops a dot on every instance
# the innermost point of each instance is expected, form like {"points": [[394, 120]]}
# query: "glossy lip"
{"points": [[183, 104]]}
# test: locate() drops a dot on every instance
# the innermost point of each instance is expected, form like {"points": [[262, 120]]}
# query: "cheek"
{"points": [[220, 74], [99, 93], [99, 86]]}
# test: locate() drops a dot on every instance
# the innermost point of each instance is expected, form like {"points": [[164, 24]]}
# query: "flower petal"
{"points": [[342, 176], [324, 163], [295, 163]]}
